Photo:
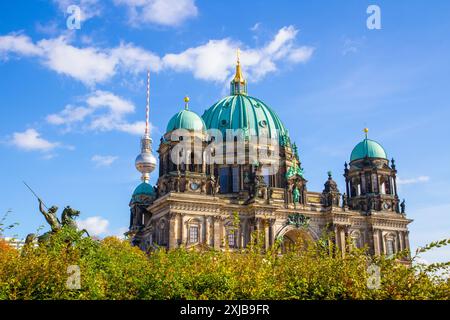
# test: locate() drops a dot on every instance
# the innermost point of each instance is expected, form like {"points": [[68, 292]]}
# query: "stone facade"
{"points": [[224, 204], [190, 209]]}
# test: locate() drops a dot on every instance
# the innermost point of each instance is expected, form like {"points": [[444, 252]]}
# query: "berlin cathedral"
{"points": [[196, 203]]}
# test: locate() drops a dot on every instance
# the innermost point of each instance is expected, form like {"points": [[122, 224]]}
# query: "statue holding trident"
{"points": [[68, 219]]}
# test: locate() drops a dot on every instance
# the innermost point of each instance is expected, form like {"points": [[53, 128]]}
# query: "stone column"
{"points": [[343, 241], [271, 235], [258, 229], [347, 182], [376, 242], [217, 235], [243, 231], [184, 231], [266, 225], [401, 245], [172, 231], [407, 240], [207, 232], [395, 186], [337, 238]]}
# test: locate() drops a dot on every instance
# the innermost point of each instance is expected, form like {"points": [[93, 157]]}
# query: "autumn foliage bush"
{"points": [[113, 269]]}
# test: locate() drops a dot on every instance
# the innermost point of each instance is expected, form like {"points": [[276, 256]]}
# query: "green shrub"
{"points": [[113, 269]]}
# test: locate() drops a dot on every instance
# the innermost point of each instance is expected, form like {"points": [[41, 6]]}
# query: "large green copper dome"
{"points": [[368, 148], [186, 119], [241, 111]]}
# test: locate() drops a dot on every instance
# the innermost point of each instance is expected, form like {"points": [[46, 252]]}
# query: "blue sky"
{"points": [[73, 101]]}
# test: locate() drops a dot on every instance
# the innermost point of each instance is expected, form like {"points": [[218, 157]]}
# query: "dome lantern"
{"points": [[238, 85]]}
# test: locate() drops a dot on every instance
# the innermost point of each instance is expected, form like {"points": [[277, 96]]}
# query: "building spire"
{"points": [[147, 110], [238, 84], [145, 161]]}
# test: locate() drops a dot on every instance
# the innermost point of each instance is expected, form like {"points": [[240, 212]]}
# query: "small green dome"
{"points": [[186, 119], [241, 111], [368, 148], [144, 189]]}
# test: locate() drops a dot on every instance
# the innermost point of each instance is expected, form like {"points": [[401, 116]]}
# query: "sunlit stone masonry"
{"points": [[203, 200]]}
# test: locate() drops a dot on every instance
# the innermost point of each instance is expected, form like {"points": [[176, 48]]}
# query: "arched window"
{"points": [[390, 244], [390, 247], [162, 232], [356, 239], [232, 237], [193, 234], [193, 231]]}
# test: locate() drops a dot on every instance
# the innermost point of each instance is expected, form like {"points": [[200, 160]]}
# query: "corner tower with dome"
{"points": [[234, 175]]}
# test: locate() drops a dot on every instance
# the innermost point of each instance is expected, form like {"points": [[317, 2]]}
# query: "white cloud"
{"points": [[103, 111], [419, 179], [89, 8], [161, 12], [89, 65], [69, 115], [18, 44], [212, 61], [301, 54], [103, 161], [134, 59], [30, 140], [117, 105], [215, 60], [96, 226]]}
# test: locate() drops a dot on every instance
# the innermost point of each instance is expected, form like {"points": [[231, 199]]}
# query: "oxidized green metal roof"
{"points": [[186, 119], [244, 112], [144, 189], [368, 148]]}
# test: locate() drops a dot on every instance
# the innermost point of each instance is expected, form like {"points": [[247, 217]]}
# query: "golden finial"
{"points": [[186, 102], [366, 131], [238, 77]]}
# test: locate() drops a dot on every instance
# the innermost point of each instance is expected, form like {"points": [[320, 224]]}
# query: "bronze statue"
{"points": [[344, 201], [402, 207], [50, 216], [296, 195], [67, 220]]}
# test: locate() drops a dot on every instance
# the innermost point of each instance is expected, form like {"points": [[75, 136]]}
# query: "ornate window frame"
{"points": [[390, 238], [162, 232], [232, 231], [193, 223], [357, 239]]}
